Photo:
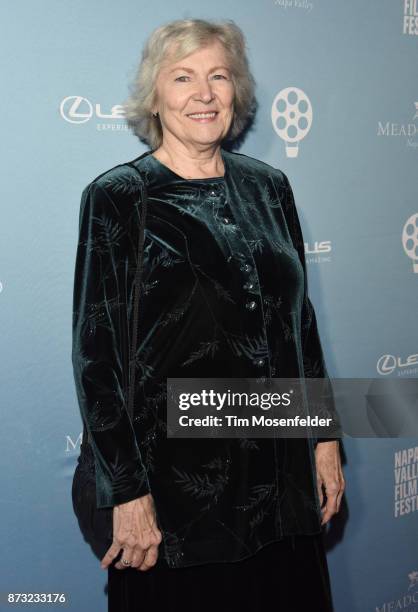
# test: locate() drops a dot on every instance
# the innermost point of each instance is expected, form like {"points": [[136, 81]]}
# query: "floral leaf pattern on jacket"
{"points": [[223, 294]]}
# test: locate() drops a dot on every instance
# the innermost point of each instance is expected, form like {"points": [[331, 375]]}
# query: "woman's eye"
{"points": [[215, 76]]}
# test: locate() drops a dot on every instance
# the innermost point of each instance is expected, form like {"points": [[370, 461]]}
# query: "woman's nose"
{"points": [[204, 91]]}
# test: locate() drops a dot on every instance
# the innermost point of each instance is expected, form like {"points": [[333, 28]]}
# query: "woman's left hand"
{"points": [[330, 475]]}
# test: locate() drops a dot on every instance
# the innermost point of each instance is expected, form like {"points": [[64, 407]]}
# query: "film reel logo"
{"points": [[291, 115], [410, 240]]}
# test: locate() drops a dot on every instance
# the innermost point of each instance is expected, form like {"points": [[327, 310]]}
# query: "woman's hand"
{"points": [[330, 475], [135, 531]]}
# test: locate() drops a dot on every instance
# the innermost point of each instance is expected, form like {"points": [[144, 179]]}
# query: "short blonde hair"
{"points": [[189, 36]]}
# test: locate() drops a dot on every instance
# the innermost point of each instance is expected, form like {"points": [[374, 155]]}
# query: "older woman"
{"points": [[231, 523]]}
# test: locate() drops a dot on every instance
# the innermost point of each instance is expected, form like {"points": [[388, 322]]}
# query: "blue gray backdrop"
{"points": [[338, 113]]}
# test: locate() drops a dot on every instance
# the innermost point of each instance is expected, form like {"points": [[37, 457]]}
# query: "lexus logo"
{"points": [[76, 109], [389, 363]]}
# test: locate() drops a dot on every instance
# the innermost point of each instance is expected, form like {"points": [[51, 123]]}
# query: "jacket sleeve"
{"points": [[100, 347], [313, 357]]}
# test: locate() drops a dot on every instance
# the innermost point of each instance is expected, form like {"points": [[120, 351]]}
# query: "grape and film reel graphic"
{"points": [[410, 239], [291, 115]]}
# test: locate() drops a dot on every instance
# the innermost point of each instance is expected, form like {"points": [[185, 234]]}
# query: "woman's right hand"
{"points": [[135, 531]]}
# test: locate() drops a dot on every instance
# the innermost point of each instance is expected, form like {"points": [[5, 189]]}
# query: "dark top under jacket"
{"points": [[223, 294]]}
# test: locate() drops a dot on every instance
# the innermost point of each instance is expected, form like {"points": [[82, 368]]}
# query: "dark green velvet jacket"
{"points": [[223, 294]]}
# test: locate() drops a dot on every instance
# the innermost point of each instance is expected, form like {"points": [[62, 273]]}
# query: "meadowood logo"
{"points": [[73, 445], [407, 601], [403, 130]]}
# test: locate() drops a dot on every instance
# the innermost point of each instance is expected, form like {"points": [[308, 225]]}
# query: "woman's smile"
{"points": [[204, 117]]}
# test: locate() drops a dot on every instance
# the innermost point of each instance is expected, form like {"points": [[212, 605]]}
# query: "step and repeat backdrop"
{"points": [[337, 94]]}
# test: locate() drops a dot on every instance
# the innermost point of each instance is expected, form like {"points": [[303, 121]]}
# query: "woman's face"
{"points": [[199, 83]]}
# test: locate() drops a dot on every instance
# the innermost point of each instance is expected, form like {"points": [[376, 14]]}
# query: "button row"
{"points": [[252, 305], [249, 285]]}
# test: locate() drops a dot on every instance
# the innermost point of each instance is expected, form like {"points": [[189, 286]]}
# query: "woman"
{"points": [[223, 294]]}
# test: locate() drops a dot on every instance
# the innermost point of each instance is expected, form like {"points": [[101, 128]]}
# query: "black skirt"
{"points": [[284, 576]]}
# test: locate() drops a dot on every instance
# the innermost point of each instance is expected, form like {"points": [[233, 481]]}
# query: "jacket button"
{"points": [[249, 286], [246, 267], [251, 305], [260, 362]]}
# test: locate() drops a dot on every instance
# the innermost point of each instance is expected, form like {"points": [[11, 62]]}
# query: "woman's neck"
{"points": [[203, 164]]}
